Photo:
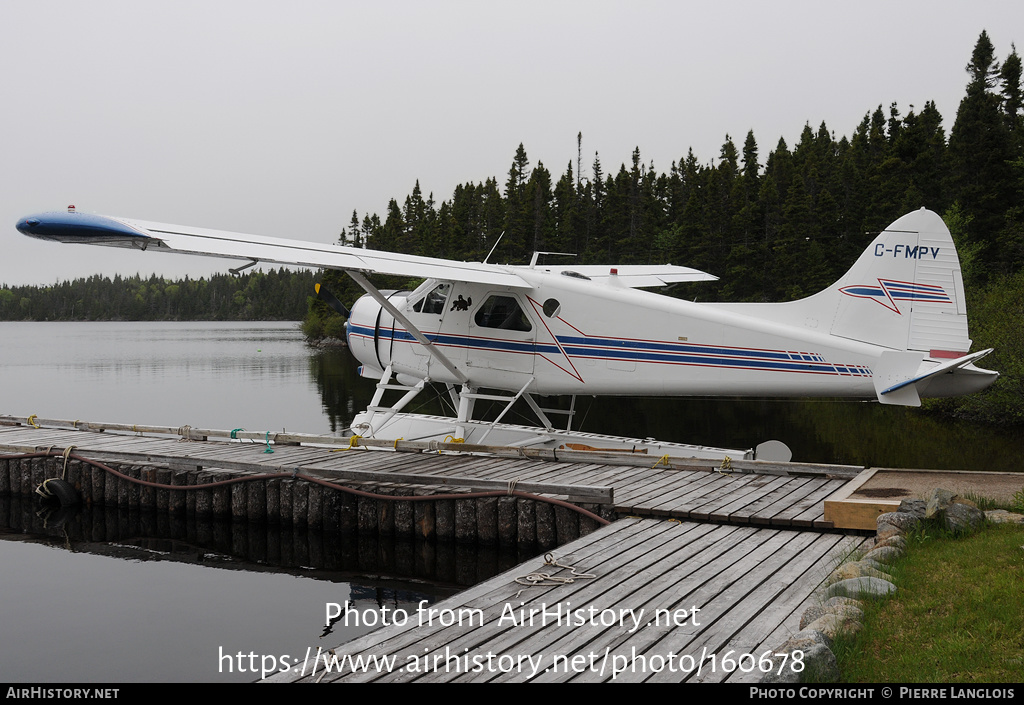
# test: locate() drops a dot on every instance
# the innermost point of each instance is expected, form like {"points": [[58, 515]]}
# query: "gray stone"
{"points": [[883, 554], [863, 588], [814, 613], [816, 662], [840, 600], [963, 518], [877, 565], [832, 625], [820, 666], [885, 531], [901, 520], [938, 500], [1001, 516], [856, 569], [803, 639], [917, 507], [897, 542]]}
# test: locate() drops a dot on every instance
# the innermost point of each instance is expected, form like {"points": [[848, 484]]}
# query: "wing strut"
{"points": [[413, 330]]}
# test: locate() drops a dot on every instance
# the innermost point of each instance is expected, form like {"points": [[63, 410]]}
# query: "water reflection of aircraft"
{"points": [[893, 328]]}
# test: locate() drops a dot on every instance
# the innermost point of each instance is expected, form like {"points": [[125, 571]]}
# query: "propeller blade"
{"points": [[331, 300]]}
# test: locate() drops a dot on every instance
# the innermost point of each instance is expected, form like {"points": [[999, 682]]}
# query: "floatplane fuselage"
{"points": [[893, 328]]}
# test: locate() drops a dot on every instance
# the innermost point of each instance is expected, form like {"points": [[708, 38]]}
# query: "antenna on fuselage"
{"points": [[495, 247]]}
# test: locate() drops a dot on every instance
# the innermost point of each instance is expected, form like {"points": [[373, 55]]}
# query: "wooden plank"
{"points": [[814, 514], [29, 442], [703, 508], [558, 473], [737, 509], [811, 502], [691, 484], [705, 484], [654, 486], [774, 502]]}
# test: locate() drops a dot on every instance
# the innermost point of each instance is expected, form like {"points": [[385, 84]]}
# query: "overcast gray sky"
{"points": [[280, 118]]}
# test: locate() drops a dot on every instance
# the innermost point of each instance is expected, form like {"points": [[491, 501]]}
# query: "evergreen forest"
{"points": [[275, 295]]}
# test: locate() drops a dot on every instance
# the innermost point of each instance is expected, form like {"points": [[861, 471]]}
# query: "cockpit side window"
{"points": [[502, 312], [434, 301]]}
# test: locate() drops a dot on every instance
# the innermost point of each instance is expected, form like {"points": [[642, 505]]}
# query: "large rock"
{"points": [[832, 625], [815, 660], [962, 518], [897, 542], [883, 554], [885, 531], [856, 569], [815, 612], [917, 507], [906, 521], [1001, 516], [840, 600], [938, 500], [877, 565], [861, 588], [817, 664]]}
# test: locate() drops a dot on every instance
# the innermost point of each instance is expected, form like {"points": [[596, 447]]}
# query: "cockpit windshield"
{"points": [[433, 302]]}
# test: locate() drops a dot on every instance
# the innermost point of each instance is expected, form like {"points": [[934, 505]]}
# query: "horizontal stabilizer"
{"points": [[892, 375], [896, 364]]}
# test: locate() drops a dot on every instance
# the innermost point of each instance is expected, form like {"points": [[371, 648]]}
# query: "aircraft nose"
{"points": [[27, 225]]}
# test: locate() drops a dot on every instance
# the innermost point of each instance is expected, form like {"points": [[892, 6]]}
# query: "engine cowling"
{"points": [[370, 332]]}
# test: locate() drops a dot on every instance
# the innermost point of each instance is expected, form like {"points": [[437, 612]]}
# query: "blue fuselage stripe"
{"points": [[637, 350]]}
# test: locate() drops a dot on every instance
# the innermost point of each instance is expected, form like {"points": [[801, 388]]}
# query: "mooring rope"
{"points": [[540, 579], [64, 470]]}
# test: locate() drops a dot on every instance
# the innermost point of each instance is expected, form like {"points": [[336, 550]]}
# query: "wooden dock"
{"points": [[767, 494], [749, 586], [707, 566]]}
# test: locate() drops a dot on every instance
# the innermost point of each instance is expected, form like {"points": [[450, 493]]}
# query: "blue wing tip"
{"points": [[69, 226]]}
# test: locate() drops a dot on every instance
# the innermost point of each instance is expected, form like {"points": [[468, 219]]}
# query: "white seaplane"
{"points": [[893, 328]]}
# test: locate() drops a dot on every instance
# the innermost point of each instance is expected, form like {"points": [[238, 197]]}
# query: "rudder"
{"points": [[906, 291]]}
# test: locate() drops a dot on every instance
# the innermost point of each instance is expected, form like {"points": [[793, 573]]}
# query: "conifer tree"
{"points": [[980, 153]]}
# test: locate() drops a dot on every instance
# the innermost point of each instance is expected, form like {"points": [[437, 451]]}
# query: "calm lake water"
{"points": [[146, 599]]}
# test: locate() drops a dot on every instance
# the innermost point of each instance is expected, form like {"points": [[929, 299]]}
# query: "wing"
{"points": [[87, 228], [109, 231]]}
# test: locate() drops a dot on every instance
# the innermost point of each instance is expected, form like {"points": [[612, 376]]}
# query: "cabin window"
{"points": [[434, 301], [503, 312], [552, 307]]}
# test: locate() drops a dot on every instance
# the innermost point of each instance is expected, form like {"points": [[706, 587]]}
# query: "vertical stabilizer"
{"points": [[906, 291]]}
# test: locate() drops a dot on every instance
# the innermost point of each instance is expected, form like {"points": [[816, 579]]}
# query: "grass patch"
{"points": [[958, 616]]}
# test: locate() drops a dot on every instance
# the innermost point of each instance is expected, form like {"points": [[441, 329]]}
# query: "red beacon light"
{"points": [[71, 209]]}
